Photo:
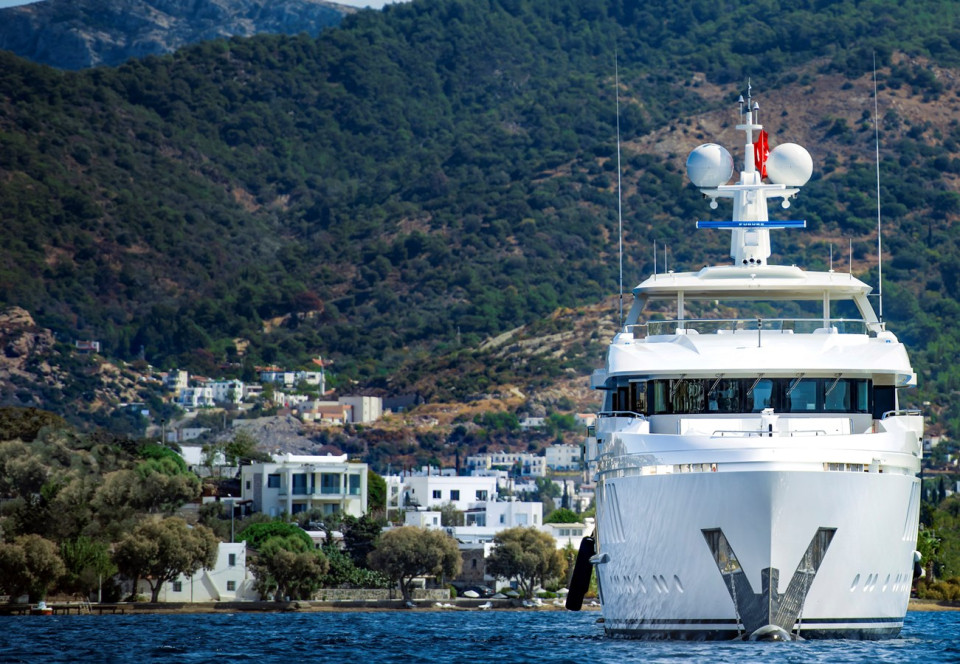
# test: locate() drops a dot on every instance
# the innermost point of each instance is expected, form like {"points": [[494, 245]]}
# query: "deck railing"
{"points": [[764, 325]]}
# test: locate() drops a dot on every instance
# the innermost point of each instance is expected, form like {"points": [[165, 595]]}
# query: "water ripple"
{"points": [[412, 637]]}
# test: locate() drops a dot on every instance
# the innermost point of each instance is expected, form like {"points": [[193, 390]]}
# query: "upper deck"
{"points": [[783, 283]]}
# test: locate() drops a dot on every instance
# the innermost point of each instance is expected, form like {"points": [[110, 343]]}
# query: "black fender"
{"points": [[580, 581]]}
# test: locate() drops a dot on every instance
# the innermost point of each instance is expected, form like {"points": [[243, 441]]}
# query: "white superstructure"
{"points": [[756, 474]]}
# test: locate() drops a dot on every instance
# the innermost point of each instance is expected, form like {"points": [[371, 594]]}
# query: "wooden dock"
{"points": [[62, 608]]}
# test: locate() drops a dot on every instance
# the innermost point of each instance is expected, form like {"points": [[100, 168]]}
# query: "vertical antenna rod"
{"points": [[616, 72], [876, 132]]}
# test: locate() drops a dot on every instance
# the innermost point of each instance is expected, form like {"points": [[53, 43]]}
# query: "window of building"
{"points": [[300, 483], [354, 485], [481, 494], [437, 494], [503, 518], [232, 560], [178, 586], [329, 483], [273, 481], [454, 494], [473, 563], [232, 586], [249, 485]]}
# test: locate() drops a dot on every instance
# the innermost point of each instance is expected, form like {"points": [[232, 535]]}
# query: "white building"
{"points": [[285, 400], [433, 491], [528, 465], [365, 409], [294, 378], [508, 514], [177, 381], [569, 534], [196, 397], [563, 457], [532, 422], [294, 483], [227, 391], [193, 456], [325, 412], [585, 419], [228, 581], [394, 496], [483, 522], [425, 519]]}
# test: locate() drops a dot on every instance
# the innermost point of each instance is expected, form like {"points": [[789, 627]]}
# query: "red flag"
{"points": [[761, 149]]}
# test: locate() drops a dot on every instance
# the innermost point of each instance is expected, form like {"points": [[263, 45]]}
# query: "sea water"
{"points": [[437, 637]]}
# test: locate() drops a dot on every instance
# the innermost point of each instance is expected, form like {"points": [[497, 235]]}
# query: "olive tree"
{"points": [[286, 567], [405, 553], [160, 550], [527, 555], [29, 565]]}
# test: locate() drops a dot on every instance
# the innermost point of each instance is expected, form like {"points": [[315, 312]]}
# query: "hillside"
{"points": [[399, 190], [75, 34]]}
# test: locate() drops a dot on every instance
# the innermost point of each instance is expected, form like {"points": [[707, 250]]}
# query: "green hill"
{"points": [[420, 179]]}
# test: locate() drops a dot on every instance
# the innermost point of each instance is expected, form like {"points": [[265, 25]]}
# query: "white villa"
{"points": [[563, 457], [293, 378], [569, 533], [295, 483], [196, 397], [227, 391], [530, 465], [432, 491], [228, 581]]}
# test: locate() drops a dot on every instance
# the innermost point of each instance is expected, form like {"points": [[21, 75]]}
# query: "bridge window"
{"points": [[680, 396]]}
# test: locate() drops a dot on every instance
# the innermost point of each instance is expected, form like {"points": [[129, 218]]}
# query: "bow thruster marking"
{"points": [[769, 606]]}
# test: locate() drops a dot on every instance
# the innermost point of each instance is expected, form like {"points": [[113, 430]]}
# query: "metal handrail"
{"points": [[621, 413], [767, 433], [654, 327], [901, 413]]}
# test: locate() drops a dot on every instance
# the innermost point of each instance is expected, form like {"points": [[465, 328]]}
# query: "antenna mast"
{"points": [[876, 131], [616, 72]]}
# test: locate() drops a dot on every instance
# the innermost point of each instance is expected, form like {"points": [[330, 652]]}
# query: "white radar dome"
{"points": [[709, 165], [789, 164]]}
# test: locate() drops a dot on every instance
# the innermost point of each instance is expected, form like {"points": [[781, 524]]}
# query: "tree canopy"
{"points": [[527, 555], [562, 515], [30, 565], [408, 552], [160, 550], [286, 567], [256, 534]]}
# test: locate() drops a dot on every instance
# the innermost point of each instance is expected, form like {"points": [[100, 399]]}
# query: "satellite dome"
{"points": [[709, 165], [789, 164]]}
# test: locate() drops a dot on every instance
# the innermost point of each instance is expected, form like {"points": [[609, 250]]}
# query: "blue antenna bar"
{"points": [[791, 223]]}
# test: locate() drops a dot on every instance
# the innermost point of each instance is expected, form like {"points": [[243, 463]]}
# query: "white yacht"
{"points": [[756, 475]]}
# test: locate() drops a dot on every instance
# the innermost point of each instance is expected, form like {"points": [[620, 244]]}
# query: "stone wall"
{"points": [[377, 594]]}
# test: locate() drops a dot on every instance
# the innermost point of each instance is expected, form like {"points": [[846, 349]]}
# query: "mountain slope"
{"points": [[402, 187], [75, 34]]}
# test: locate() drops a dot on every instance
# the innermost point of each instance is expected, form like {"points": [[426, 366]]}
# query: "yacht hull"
{"points": [[721, 555]]}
